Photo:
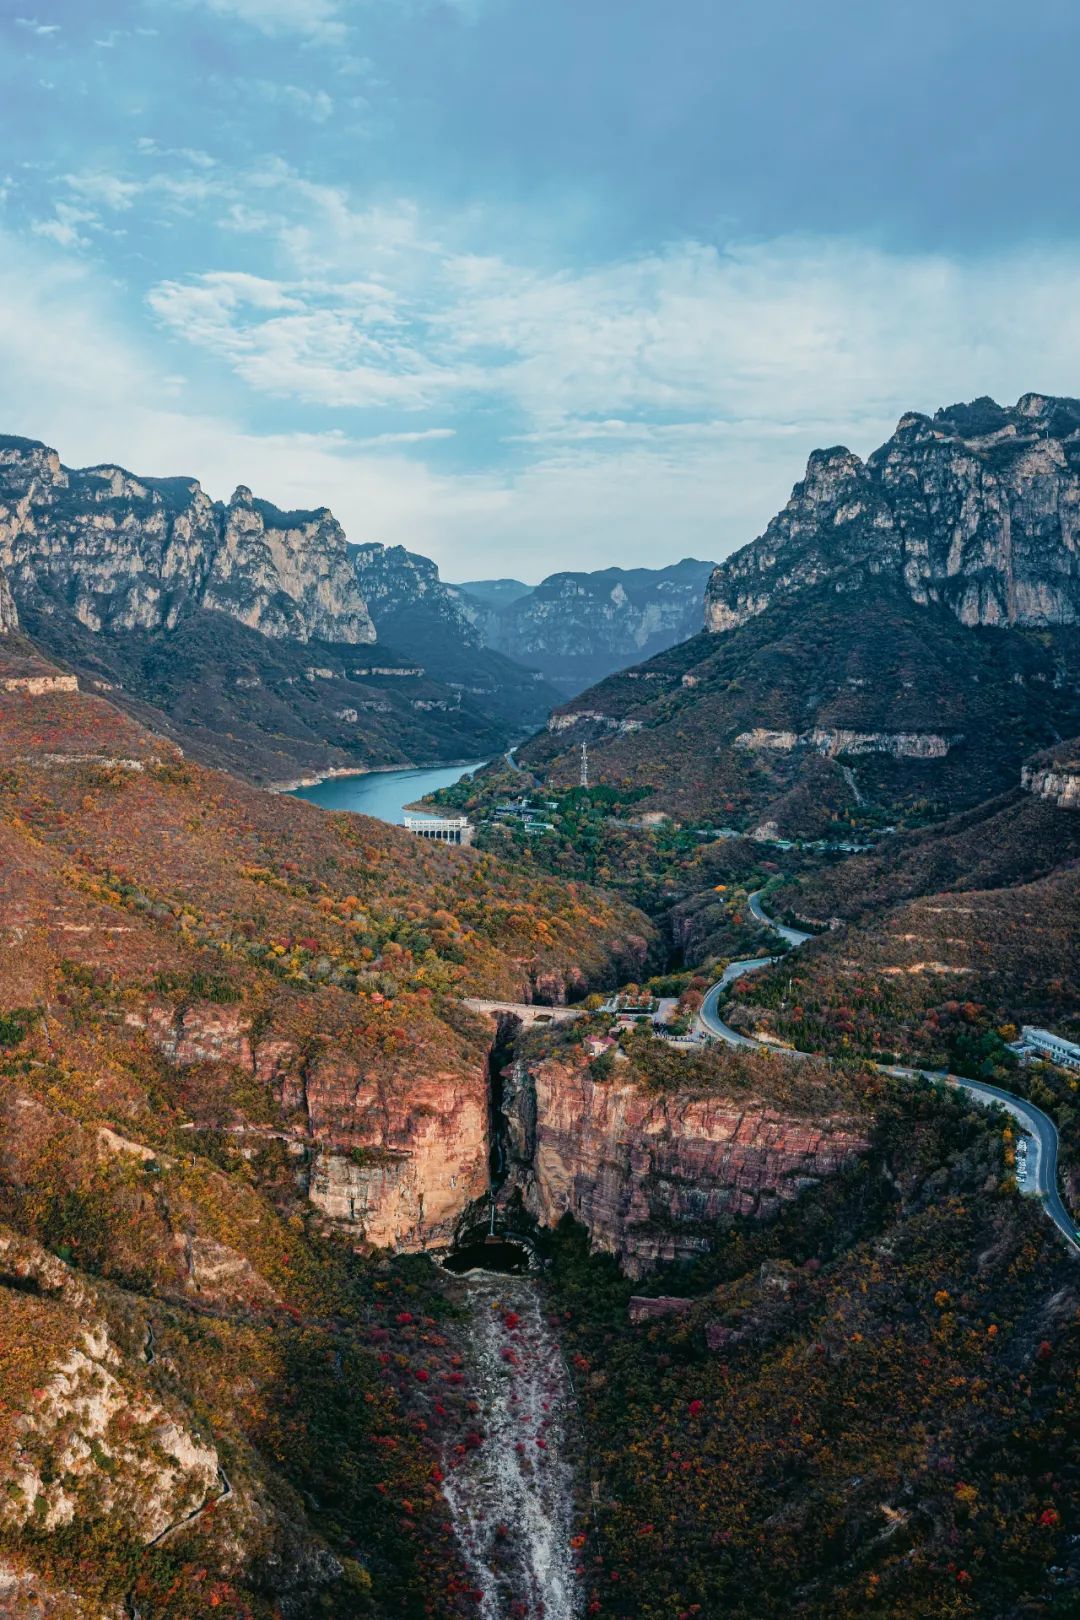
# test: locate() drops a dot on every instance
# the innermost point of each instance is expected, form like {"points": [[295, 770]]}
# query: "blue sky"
{"points": [[528, 284]]}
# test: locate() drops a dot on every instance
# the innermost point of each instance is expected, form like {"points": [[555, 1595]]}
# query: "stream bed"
{"points": [[512, 1493]]}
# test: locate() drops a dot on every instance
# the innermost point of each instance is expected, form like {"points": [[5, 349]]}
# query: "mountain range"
{"points": [[249, 629], [578, 627], [904, 632], [245, 1097]]}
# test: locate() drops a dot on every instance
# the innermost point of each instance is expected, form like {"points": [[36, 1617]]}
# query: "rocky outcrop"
{"points": [[976, 508], [9, 616], [655, 1178], [394, 582], [578, 627], [400, 1167], [1056, 784], [832, 743], [127, 553], [90, 1441], [398, 1163]]}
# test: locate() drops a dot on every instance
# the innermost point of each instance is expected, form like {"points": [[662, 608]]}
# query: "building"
{"points": [[1054, 1048], [442, 829]]}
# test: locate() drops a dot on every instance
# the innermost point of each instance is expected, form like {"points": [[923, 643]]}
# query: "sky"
{"points": [[528, 285]]}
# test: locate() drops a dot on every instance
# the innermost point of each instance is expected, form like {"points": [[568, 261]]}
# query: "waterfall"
{"points": [[511, 1493]]}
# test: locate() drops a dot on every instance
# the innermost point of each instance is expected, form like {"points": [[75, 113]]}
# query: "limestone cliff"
{"points": [[976, 508], [401, 1167], [395, 582], [398, 1164], [127, 553], [1055, 776], [654, 1177], [9, 617]]}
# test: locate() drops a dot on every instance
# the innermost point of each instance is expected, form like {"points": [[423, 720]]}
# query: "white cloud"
{"points": [[383, 308], [32, 26], [421, 436], [107, 190], [661, 405], [317, 20], [317, 105]]}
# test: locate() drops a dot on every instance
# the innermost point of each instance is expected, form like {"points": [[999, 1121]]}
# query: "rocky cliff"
{"points": [[206, 611], [578, 627], [976, 508], [656, 1177], [127, 553], [435, 623], [1055, 776], [394, 582], [9, 615]]}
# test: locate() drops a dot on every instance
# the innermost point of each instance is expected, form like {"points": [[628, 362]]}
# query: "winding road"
{"points": [[1038, 1127]]}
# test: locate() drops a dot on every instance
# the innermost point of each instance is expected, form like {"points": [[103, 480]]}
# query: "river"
{"points": [[383, 794]]}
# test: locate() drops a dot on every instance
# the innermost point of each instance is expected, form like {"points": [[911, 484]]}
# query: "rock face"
{"points": [[976, 508], [1055, 777], [652, 1177], [9, 617], [127, 553], [399, 1165], [577, 628], [394, 582], [402, 1169], [833, 743]]}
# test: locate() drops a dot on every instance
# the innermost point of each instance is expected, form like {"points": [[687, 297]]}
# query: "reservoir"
{"points": [[383, 794]]}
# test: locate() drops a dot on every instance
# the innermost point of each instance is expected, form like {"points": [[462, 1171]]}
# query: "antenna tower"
{"points": [[584, 765]]}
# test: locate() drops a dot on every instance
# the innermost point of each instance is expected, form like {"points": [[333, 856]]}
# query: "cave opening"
{"points": [[500, 1254]]}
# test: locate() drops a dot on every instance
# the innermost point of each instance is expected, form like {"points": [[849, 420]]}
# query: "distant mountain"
{"points": [[494, 593], [126, 553], [578, 627], [415, 612], [247, 627], [905, 630]]}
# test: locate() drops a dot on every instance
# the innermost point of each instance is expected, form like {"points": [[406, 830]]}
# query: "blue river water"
{"points": [[383, 794]]}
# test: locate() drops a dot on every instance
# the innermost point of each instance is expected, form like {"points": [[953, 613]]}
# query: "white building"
{"points": [[443, 829], [1055, 1048]]}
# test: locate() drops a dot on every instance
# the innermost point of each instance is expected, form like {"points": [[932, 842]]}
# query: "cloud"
{"points": [[420, 436], [32, 25], [107, 190], [651, 406], [316, 20], [340, 345], [383, 308], [317, 105]]}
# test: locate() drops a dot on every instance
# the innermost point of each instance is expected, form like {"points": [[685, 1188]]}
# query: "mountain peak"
{"points": [[970, 509]]}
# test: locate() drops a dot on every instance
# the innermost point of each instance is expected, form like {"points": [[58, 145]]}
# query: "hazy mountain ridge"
{"points": [[578, 627], [416, 612]]}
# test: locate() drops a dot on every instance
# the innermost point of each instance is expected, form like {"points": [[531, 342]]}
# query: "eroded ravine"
{"points": [[511, 1485], [511, 1492]]}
